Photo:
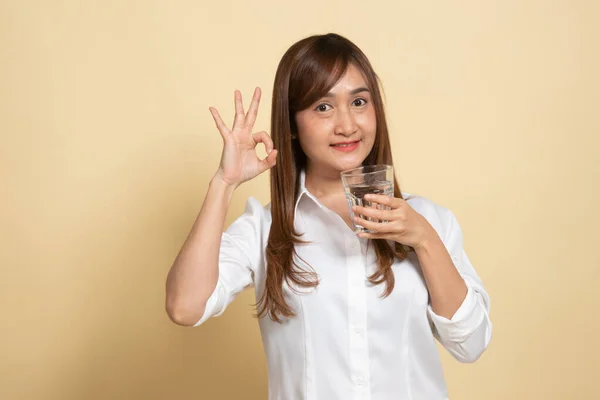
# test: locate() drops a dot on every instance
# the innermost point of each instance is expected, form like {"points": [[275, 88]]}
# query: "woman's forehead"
{"points": [[351, 82]]}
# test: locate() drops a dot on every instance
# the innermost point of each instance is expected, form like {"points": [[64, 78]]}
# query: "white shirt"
{"points": [[346, 342]]}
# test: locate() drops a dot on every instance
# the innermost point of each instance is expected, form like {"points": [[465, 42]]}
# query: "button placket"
{"points": [[357, 319]]}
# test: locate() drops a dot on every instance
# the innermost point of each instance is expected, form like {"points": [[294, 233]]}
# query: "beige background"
{"points": [[108, 146]]}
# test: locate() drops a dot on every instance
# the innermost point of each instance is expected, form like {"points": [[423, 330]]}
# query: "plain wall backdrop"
{"points": [[108, 146]]}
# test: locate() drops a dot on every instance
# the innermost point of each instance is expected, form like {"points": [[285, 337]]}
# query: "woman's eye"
{"points": [[360, 102], [322, 107]]}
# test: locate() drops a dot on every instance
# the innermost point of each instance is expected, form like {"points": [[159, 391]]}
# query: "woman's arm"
{"points": [[459, 313], [459, 307], [447, 289], [194, 274]]}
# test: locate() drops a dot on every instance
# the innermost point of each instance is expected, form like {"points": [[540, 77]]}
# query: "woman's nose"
{"points": [[345, 123]]}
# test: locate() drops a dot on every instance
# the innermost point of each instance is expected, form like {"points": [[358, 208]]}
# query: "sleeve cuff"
{"points": [[214, 305], [464, 321]]}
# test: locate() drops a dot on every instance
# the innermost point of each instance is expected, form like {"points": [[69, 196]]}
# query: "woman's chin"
{"points": [[338, 164], [350, 163]]}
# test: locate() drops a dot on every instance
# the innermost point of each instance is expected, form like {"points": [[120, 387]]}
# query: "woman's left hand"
{"points": [[404, 225]]}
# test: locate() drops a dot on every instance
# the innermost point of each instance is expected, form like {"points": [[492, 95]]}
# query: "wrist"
{"points": [[221, 185], [219, 179], [427, 242]]}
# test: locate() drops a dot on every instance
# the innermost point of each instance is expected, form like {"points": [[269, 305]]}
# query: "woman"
{"points": [[342, 316]]}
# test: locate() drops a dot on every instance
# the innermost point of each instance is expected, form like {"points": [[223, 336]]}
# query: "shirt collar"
{"points": [[304, 193]]}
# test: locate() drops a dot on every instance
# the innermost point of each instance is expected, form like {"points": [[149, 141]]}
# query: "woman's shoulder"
{"points": [[250, 230], [254, 206], [422, 203], [255, 217], [438, 216]]}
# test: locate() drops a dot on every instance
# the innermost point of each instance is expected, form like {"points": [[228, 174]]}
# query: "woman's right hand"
{"points": [[239, 161]]}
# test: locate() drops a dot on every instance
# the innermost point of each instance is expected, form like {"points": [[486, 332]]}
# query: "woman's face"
{"points": [[337, 132]]}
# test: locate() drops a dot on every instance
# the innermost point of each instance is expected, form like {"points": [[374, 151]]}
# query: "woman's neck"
{"points": [[322, 184]]}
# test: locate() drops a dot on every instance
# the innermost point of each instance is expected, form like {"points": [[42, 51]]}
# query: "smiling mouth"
{"points": [[347, 147], [345, 144]]}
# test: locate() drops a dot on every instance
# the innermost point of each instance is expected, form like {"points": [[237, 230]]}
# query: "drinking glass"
{"points": [[369, 179]]}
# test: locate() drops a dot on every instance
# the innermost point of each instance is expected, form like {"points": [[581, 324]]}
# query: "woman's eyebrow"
{"points": [[352, 92]]}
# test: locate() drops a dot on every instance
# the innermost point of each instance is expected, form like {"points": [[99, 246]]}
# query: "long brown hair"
{"points": [[307, 71]]}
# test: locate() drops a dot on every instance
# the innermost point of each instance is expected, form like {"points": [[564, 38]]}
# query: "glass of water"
{"points": [[369, 179]]}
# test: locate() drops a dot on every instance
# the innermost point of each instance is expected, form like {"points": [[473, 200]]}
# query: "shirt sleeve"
{"points": [[239, 257], [467, 334]]}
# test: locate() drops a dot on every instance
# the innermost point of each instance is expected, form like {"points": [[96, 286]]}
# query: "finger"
{"points": [[238, 121], [253, 110], [269, 161], [219, 122], [374, 213], [263, 137], [386, 200], [379, 227]]}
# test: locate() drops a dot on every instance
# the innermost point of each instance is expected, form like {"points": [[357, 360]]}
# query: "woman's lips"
{"points": [[346, 147]]}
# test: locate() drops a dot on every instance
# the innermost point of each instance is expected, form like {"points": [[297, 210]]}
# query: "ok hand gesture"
{"points": [[239, 161]]}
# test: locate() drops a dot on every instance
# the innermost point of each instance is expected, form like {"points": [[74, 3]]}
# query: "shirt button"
{"points": [[357, 331], [359, 380]]}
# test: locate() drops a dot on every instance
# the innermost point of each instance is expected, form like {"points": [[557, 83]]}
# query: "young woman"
{"points": [[342, 316]]}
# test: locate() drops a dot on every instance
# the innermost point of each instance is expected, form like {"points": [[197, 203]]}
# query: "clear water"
{"points": [[355, 197]]}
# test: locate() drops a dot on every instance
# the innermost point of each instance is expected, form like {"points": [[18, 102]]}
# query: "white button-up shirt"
{"points": [[347, 342]]}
